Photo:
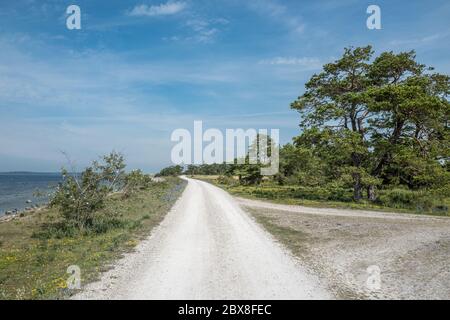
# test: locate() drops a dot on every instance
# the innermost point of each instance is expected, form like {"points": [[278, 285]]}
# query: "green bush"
{"points": [[79, 197], [58, 230], [135, 181], [326, 193], [421, 201]]}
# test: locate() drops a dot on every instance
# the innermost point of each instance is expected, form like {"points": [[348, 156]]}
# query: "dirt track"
{"points": [[411, 251], [207, 248]]}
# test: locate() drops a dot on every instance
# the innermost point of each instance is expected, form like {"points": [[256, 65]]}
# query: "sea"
{"points": [[18, 188]]}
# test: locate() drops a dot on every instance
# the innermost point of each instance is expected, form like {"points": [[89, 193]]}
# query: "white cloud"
{"points": [[162, 9], [305, 62], [419, 41], [279, 13], [222, 21], [202, 30]]}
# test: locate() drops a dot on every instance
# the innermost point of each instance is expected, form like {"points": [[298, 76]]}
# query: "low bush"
{"points": [[135, 181], [421, 201], [80, 198], [418, 201], [55, 230], [326, 193]]}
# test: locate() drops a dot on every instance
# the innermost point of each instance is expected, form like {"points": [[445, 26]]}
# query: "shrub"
{"points": [[56, 230], [79, 197], [136, 181], [422, 201]]}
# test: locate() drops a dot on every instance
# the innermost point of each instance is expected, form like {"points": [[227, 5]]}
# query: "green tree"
{"points": [[410, 133], [377, 122], [333, 106], [300, 165]]}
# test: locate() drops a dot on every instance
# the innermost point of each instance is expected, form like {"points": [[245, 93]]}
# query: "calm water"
{"points": [[17, 188]]}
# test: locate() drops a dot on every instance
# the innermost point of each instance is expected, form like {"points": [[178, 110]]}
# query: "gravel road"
{"points": [[411, 251], [207, 247]]}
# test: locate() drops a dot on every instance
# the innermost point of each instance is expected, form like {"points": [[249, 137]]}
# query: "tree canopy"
{"points": [[372, 122]]}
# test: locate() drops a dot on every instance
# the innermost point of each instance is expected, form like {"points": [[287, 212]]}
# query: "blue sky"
{"points": [[138, 69]]}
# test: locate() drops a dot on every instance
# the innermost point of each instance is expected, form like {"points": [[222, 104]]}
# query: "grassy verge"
{"points": [[33, 265], [272, 192]]}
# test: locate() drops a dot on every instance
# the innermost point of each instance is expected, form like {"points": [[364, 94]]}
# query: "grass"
{"points": [[275, 193], [33, 265]]}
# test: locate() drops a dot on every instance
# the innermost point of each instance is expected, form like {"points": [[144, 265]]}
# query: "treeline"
{"points": [[204, 169], [375, 126], [246, 173]]}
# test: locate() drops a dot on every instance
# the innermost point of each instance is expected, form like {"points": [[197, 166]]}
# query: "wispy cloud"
{"points": [[278, 12], [202, 30], [419, 41], [90, 103], [304, 62], [162, 9]]}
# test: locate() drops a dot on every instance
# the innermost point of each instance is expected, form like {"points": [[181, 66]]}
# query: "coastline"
{"points": [[23, 191], [4, 217], [32, 243]]}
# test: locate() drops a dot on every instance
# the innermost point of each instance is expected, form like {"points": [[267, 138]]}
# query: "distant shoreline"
{"points": [[29, 173], [21, 191]]}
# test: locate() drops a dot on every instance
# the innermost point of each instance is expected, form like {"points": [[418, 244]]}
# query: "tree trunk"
{"points": [[356, 186], [371, 193]]}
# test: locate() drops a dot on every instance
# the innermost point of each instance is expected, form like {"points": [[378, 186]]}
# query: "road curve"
{"points": [[207, 247]]}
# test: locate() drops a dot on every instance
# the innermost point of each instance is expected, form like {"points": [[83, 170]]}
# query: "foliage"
{"points": [[207, 169], [171, 171], [420, 201], [135, 181], [79, 197], [373, 124]]}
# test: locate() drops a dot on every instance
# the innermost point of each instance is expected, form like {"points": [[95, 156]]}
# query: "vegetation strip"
{"points": [[37, 248]]}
